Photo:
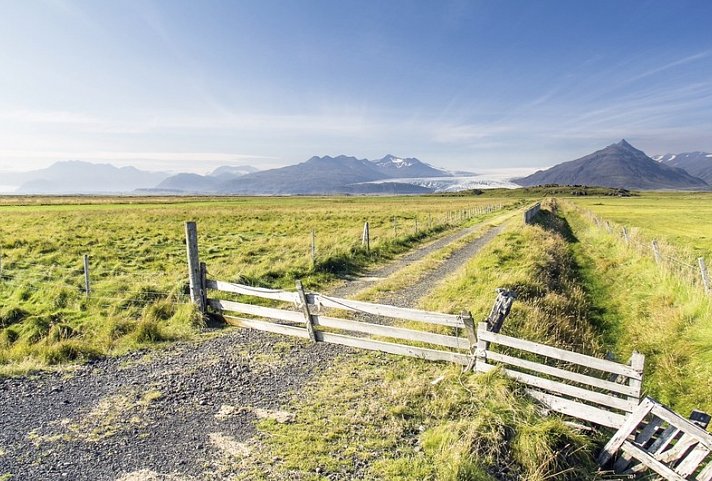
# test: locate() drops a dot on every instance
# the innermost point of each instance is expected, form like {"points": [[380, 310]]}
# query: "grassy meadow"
{"points": [[681, 219], [138, 261], [373, 416], [654, 309]]}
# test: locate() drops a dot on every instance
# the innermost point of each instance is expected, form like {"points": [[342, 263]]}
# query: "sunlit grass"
{"points": [[138, 268]]}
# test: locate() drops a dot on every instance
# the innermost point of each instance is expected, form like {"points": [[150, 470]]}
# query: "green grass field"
{"points": [[681, 219], [138, 261]]}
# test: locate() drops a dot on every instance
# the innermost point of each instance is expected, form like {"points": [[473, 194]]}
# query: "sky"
{"points": [[474, 85]]}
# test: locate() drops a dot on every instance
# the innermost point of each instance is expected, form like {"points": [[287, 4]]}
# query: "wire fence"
{"points": [[670, 258], [86, 286]]}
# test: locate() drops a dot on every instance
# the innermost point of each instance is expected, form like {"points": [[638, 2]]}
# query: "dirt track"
{"points": [[175, 413]]}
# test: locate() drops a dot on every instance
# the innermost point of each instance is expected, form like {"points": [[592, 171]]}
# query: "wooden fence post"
{"points": [[416, 225], [305, 309], [705, 275], [197, 295], [637, 362], [395, 227], [656, 252], [500, 309], [87, 285], [366, 237], [313, 248], [430, 226], [625, 235]]}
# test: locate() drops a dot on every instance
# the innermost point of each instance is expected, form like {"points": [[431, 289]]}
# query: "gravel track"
{"points": [[181, 411]]}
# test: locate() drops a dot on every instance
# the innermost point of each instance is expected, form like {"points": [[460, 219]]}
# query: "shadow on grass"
{"points": [[550, 221]]}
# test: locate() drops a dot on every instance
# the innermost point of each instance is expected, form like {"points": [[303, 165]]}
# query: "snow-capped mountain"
{"points": [[407, 167], [698, 164]]}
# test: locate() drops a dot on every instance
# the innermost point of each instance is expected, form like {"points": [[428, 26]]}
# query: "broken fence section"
{"points": [[655, 438]]}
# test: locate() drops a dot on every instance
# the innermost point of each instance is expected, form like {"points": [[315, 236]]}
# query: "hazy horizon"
{"points": [[182, 86]]}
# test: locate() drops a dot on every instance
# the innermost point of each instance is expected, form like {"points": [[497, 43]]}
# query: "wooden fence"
{"points": [[310, 322], [596, 390], [531, 212], [653, 437]]}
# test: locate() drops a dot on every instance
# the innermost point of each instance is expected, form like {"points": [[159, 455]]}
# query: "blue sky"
{"points": [[189, 85]]}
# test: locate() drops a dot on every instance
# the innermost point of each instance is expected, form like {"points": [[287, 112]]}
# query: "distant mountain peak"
{"points": [[619, 165]]}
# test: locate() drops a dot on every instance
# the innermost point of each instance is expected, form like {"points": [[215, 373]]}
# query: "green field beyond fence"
{"points": [[137, 260]]}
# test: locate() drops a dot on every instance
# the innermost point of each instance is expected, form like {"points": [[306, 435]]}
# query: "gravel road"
{"points": [[176, 413]]}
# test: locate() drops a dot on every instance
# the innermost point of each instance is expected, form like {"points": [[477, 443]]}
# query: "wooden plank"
{"points": [[391, 348], [678, 450], [275, 294], [469, 330], [637, 362], [706, 473], [560, 354], [691, 461], [268, 326], [645, 435], [647, 460], [450, 320], [683, 424], [272, 313], [565, 389], [308, 318], [394, 332], [561, 373], [578, 410], [632, 422]]}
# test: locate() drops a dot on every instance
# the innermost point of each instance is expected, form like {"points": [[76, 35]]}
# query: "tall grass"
{"points": [[650, 309], [138, 267], [405, 419]]}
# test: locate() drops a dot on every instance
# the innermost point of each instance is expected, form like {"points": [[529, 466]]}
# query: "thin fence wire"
{"points": [[672, 260]]}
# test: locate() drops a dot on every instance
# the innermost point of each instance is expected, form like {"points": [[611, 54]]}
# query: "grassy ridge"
{"points": [[137, 257], [373, 416], [643, 307]]}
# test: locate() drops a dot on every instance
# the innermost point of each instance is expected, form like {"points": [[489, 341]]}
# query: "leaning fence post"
{"points": [[705, 275], [366, 237], [191, 242], [308, 319], [656, 252], [500, 309], [395, 227], [625, 235], [87, 285]]}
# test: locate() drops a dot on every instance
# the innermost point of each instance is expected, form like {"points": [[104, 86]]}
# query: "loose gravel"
{"points": [[176, 413]]}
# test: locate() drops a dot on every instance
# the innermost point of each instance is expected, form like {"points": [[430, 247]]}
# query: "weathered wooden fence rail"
{"points": [[312, 315], [553, 379]]}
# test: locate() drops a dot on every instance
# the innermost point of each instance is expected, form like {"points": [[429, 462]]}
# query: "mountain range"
{"points": [[318, 175], [619, 165], [698, 164]]}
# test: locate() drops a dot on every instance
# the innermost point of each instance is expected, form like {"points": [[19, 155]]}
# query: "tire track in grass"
{"points": [[158, 412]]}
